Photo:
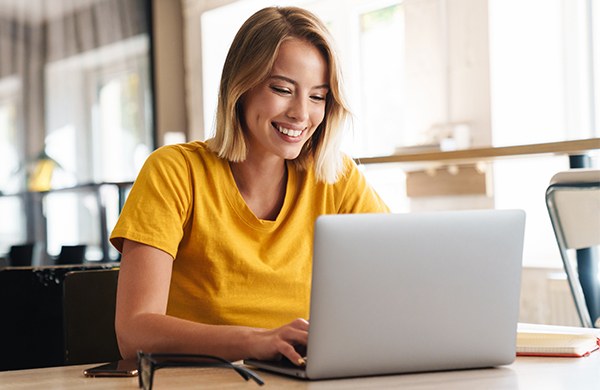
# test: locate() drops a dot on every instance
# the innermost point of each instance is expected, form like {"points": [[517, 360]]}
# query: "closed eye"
{"points": [[279, 90]]}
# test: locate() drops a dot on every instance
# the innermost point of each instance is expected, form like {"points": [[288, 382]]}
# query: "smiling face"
{"points": [[283, 111]]}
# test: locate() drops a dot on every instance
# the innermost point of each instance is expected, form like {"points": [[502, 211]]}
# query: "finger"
{"points": [[294, 335], [300, 323], [292, 355]]}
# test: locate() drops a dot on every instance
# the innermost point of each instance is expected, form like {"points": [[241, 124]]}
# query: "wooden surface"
{"points": [[564, 148], [526, 373]]}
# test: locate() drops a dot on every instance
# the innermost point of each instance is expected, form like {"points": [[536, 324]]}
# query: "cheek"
{"points": [[317, 115], [258, 106], [272, 106]]}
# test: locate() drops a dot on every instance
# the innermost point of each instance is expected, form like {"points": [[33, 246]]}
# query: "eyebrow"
{"points": [[294, 82]]}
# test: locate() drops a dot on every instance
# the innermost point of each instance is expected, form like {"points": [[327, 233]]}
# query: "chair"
{"points": [[31, 328], [89, 315], [21, 255], [573, 202], [71, 254]]}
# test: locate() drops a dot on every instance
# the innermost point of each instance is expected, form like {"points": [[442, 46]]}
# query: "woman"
{"points": [[216, 236]]}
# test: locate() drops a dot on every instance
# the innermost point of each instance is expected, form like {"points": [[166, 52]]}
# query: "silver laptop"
{"points": [[399, 293]]}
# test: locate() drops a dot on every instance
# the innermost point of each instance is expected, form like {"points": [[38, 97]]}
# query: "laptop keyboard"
{"points": [[287, 363]]}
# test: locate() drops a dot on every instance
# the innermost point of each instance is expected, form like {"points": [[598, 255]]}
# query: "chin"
{"points": [[292, 155]]}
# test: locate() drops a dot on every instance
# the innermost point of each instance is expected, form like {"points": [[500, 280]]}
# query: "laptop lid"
{"points": [[395, 293]]}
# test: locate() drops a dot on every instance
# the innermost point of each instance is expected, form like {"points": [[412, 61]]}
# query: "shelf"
{"points": [[561, 148]]}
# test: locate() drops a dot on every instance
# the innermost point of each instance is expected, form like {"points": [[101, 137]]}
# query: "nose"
{"points": [[298, 109]]}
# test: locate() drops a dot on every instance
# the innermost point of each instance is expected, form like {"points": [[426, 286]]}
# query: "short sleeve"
{"points": [[158, 204]]}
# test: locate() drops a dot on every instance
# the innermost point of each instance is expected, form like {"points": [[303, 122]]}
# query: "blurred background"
{"points": [[88, 88]]}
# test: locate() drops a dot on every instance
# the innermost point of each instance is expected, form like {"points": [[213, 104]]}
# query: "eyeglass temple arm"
{"points": [[247, 374]]}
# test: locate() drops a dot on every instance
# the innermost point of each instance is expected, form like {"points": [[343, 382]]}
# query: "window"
{"points": [[381, 106], [99, 130], [595, 61], [10, 159], [121, 134], [542, 77], [9, 140], [80, 95]]}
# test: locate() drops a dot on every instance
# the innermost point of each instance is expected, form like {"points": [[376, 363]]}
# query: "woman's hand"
{"points": [[273, 343]]}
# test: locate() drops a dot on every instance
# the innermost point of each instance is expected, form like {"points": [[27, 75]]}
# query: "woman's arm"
{"points": [[142, 324]]}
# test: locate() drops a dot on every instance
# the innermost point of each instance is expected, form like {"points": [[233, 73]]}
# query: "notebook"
{"points": [[399, 293], [556, 341]]}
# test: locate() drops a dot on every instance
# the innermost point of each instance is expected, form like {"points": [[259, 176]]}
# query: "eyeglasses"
{"points": [[150, 362]]}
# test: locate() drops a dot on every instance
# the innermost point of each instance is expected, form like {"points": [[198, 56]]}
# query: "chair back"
{"points": [[21, 255], [89, 316], [71, 254], [575, 198], [573, 202]]}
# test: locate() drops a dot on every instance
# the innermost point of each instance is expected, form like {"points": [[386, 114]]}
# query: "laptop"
{"points": [[404, 293]]}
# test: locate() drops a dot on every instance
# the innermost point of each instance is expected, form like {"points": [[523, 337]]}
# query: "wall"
{"points": [[546, 298], [169, 76], [192, 11]]}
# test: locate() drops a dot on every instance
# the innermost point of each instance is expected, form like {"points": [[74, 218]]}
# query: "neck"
{"points": [[262, 185], [250, 176]]}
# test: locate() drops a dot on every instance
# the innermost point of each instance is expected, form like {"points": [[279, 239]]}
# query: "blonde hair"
{"points": [[249, 62]]}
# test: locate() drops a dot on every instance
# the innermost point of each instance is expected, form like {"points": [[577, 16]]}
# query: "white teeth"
{"points": [[289, 132]]}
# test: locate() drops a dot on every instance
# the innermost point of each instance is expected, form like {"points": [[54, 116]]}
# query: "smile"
{"points": [[288, 132]]}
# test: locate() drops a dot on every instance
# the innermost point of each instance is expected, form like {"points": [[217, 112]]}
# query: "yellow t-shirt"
{"points": [[229, 266]]}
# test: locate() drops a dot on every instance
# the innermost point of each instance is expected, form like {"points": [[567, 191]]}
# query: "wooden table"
{"points": [[525, 373]]}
